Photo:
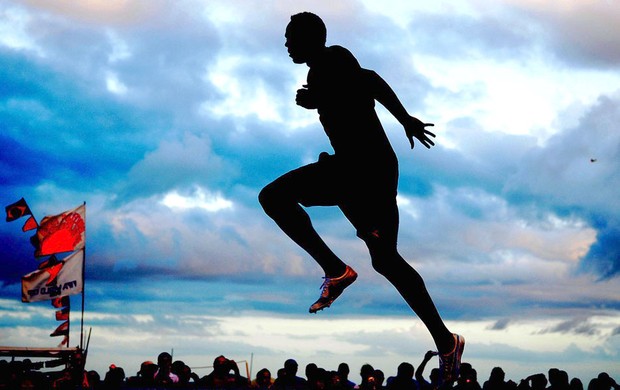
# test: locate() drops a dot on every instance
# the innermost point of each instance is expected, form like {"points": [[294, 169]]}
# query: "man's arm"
{"points": [[419, 374], [384, 94]]}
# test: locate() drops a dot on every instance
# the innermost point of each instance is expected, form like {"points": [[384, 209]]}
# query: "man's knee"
{"points": [[383, 253], [275, 197], [267, 197]]}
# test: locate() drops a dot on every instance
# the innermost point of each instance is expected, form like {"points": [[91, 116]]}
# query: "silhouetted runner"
{"points": [[361, 177]]}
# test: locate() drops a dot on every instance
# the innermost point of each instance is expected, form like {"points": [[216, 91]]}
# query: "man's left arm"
{"points": [[384, 94]]}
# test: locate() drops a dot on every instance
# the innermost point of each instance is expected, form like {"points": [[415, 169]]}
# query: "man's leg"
{"points": [[377, 223], [281, 201]]}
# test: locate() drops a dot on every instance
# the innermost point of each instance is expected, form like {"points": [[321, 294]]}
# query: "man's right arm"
{"points": [[384, 94]]}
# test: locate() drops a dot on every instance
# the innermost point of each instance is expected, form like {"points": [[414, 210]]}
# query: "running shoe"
{"points": [[450, 363], [332, 288]]}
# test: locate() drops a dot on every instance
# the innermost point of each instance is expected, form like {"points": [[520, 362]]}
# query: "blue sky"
{"points": [[167, 118]]}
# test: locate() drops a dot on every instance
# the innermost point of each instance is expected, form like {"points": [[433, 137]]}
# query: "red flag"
{"points": [[64, 342], [61, 233], [17, 210], [63, 314], [30, 224], [61, 302], [62, 330]]}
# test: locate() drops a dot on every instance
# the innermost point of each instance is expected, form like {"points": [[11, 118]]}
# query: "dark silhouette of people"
{"points": [[360, 177], [225, 375], [288, 379], [533, 382], [164, 377], [403, 379], [263, 380], [558, 379], [145, 377], [343, 373], [423, 384], [497, 380]]}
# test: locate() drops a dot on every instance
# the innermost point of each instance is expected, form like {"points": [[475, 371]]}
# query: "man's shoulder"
{"points": [[338, 51]]}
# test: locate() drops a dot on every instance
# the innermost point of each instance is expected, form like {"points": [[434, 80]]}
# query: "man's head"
{"points": [[305, 35], [291, 367]]}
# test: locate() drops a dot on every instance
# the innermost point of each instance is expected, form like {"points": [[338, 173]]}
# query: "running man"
{"points": [[361, 177]]}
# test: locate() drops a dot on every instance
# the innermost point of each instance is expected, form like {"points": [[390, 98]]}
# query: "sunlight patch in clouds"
{"points": [[13, 30], [114, 85], [239, 98], [200, 199]]}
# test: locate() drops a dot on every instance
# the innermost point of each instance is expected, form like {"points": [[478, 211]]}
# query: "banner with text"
{"points": [[56, 280]]}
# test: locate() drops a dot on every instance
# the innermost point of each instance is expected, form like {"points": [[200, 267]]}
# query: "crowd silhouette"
{"points": [[169, 374]]}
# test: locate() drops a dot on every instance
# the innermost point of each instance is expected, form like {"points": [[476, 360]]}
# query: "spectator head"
{"points": [[497, 375], [263, 377], [344, 370], [366, 371], [291, 367], [164, 360], [405, 370]]}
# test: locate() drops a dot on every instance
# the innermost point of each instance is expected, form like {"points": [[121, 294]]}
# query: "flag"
{"points": [[61, 302], [63, 314], [64, 342], [61, 233], [62, 330], [30, 224], [54, 281], [17, 210]]}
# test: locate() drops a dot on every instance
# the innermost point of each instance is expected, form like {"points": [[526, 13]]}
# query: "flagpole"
{"points": [[83, 282]]}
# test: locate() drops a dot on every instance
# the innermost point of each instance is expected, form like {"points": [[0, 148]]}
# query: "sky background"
{"points": [[168, 117]]}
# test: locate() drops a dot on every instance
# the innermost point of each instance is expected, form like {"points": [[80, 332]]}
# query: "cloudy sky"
{"points": [[168, 117]]}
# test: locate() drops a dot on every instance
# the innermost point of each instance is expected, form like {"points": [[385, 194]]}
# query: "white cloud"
{"points": [[114, 85], [199, 199]]}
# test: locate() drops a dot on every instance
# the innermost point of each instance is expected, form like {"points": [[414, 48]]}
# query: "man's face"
{"points": [[297, 46]]}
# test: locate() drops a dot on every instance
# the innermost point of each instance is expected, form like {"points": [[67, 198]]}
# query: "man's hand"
{"points": [[305, 98], [428, 355], [416, 128]]}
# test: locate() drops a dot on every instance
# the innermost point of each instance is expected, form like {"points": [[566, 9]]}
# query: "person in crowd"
{"points": [[311, 371], [164, 377], [263, 380], [434, 377], [558, 379], [603, 382], [533, 382], [94, 380], [74, 376], [496, 381], [468, 379], [576, 384], [225, 375], [403, 379], [145, 377], [114, 378], [343, 373], [366, 372], [289, 379], [187, 378]]}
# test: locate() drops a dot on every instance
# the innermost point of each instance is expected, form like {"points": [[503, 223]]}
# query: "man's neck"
{"points": [[316, 57]]}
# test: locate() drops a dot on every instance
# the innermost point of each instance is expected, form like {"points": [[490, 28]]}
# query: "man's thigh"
{"points": [[315, 184], [374, 218]]}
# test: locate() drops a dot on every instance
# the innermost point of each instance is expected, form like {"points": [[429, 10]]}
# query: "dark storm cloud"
{"points": [[575, 325], [562, 177]]}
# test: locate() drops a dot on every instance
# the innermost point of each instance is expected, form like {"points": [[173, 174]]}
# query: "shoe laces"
{"points": [[325, 286]]}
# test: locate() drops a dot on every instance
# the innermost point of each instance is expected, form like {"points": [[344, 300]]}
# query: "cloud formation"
{"points": [[168, 119]]}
